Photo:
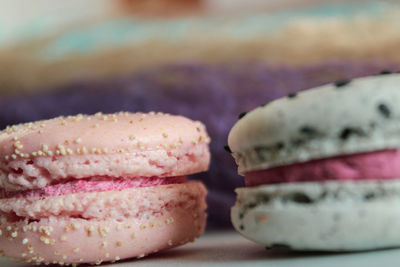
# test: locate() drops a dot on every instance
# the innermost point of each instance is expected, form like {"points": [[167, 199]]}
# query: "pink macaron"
{"points": [[100, 188]]}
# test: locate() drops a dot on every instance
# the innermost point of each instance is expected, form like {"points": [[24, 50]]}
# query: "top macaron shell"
{"points": [[342, 118], [53, 149]]}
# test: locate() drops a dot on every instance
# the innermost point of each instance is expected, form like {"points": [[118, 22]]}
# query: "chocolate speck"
{"points": [[341, 83], [228, 149], [241, 227], [347, 132], [292, 95], [280, 145], [385, 72], [298, 197], [241, 115], [369, 196], [266, 103], [308, 130], [384, 110]]}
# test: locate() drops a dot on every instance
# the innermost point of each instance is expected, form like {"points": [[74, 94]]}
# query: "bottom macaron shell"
{"points": [[67, 240], [333, 216]]}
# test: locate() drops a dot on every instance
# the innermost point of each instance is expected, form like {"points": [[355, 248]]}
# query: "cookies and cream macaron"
{"points": [[100, 188], [322, 167]]}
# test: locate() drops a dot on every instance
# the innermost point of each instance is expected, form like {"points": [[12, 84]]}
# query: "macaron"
{"points": [[101, 188], [322, 168]]}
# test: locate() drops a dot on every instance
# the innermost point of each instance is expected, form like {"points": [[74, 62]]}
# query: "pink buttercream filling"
{"points": [[377, 165], [94, 184]]}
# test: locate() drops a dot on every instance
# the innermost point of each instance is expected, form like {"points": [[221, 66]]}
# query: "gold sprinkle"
{"points": [[170, 242], [194, 142], [133, 235], [104, 244], [89, 230], [64, 257], [118, 244], [165, 135], [45, 240], [67, 228], [131, 122], [118, 227], [140, 256], [78, 140], [107, 255], [142, 227], [69, 151], [132, 137], [76, 250], [103, 231], [63, 238], [96, 125]]}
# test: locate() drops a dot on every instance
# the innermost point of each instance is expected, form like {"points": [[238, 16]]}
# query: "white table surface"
{"points": [[230, 249]]}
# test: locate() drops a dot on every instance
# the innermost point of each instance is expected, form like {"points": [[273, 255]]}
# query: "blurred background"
{"points": [[208, 60]]}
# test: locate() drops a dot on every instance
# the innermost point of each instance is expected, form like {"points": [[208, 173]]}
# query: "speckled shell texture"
{"points": [[103, 226], [33, 155], [342, 118], [331, 216]]}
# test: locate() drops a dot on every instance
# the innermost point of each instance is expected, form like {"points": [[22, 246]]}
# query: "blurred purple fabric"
{"points": [[214, 94]]}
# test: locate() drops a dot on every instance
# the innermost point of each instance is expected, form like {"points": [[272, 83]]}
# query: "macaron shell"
{"points": [[343, 118], [33, 155], [106, 133], [42, 171], [105, 240], [125, 230], [333, 216]]}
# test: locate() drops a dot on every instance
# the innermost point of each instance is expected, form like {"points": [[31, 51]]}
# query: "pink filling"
{"points": [[97, 184], [377, 165]]}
